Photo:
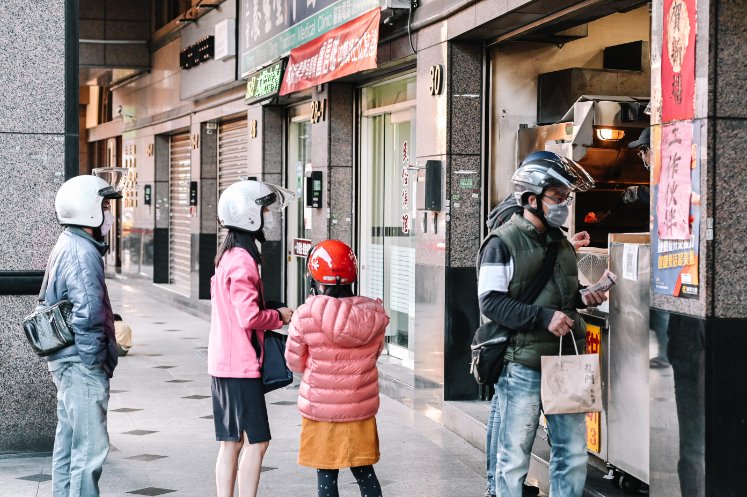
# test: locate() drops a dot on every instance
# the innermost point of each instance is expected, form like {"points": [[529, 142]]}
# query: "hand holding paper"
{"points": [[596, 294]]}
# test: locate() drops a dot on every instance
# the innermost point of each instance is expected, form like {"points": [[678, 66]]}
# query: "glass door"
{"points": [[298, 216], [387, 199]]}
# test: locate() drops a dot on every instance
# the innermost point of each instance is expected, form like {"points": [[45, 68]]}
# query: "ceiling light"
{"points": [[610, 134], [208, 5]]}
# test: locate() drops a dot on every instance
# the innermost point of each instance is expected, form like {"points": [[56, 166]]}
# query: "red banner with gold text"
{"points": [[678, 61], [345, 50]]}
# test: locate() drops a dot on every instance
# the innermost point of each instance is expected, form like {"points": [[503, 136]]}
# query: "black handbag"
{"points": [[275, 372], [491, 339], [274, 369], [49, 328]]}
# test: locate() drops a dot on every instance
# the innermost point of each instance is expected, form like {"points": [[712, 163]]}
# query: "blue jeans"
{"points": [[81, 442], [491, 445], [518, 393]]}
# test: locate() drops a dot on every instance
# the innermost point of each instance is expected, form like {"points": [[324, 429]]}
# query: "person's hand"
{"points": [[286, 313], [580, 239], [593, 299], [560, 324]]}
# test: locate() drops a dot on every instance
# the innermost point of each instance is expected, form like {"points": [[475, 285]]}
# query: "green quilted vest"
{"points": [[527, 247]]}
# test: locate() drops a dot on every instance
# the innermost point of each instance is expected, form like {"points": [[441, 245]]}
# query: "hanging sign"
{"points": [[269, 29], [593, 419], [301, 247], [675, 185], [345, 50], [264, 84], [678, 61], [675, 261]]}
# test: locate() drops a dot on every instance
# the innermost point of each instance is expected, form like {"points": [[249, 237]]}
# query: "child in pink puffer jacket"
{"points": [[335, 339]]}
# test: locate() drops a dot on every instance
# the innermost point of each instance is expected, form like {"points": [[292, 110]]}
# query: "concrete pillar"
{"points": [[161, 211], [449, 123], [38, 151], [332, 154], [706, 336], [266, 152], [430, 227], [208, 208], [464, 92]]}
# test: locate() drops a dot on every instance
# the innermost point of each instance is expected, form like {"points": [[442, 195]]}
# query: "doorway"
{"points": [[387, 201], [298, 216]]}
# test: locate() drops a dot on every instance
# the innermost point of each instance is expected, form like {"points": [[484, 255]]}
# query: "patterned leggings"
{"points": [[365, 476]]}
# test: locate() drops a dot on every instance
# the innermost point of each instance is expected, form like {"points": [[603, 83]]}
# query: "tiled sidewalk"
{"points": [[162, 436]]}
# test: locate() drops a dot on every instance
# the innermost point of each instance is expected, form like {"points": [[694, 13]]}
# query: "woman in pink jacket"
{"points": [[235, 351], [335, 339]]}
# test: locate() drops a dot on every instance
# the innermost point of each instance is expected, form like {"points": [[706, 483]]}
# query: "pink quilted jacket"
{"points": [[335, 344]]}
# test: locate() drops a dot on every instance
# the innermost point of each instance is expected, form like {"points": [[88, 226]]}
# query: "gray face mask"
{"points": [[557, 214]]}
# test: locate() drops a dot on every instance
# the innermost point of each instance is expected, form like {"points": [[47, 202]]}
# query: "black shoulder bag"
{"points": [[491, 339], [49, 329], [274, 369]]}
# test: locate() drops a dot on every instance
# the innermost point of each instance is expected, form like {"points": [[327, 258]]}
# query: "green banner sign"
{"points": [[265, 83], [300, 31]]}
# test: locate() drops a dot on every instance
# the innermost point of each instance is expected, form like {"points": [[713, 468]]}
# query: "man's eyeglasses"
{"points": [[560, 200]]}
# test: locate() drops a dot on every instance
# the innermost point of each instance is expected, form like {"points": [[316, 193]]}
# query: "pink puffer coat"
{"points": [[335, 344]]}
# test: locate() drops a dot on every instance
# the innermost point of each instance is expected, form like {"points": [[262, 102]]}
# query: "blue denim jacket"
{"points": [[76, 274]]}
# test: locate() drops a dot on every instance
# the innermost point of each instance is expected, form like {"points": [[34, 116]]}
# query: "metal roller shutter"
{"points": [[233, 137], [179, 220]]}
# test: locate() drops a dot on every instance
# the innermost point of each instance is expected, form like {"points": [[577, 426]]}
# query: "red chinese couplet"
{"points": [[345, 50], [678, 60]]}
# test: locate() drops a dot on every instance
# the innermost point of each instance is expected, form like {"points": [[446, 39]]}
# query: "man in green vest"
{"points": [[509, 262]]}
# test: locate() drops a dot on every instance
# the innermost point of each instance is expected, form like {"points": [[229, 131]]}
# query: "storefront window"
{"points": [[387, 179]]}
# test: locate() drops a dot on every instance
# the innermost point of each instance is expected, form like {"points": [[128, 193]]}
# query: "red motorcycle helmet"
{"points": [[332, 262]]}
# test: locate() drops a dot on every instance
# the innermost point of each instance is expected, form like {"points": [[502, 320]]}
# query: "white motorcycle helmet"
{"points": [[79, 201], [240, 205]]}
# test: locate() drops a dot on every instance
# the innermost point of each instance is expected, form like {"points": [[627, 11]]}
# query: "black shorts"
{"points": [[239, 406]]}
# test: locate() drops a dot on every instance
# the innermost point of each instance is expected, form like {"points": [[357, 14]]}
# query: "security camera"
{"points": [[119, 110]]}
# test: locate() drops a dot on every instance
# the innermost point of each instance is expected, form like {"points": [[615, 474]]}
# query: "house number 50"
{"points": [[437, 79]]}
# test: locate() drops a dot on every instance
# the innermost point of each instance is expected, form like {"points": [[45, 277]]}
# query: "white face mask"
{"points": [[269, 220], [108, 223]]}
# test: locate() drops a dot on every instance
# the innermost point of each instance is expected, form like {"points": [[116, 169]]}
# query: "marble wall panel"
{"points": [[341, 203], [464, 227], [32, 172], [730, 51], [730, 212], [27, 385], [32, 40]]}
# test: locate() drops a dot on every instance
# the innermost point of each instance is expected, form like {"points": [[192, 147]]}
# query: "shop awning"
{"points": [[345, 50]]}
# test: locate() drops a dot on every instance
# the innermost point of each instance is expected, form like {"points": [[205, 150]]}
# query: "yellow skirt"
{"points": [[326, 445]]}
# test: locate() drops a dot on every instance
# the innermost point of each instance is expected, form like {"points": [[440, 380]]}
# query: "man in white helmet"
{"points": [[81, 371], [528, 283]]}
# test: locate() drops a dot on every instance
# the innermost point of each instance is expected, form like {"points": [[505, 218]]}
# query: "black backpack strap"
{"points": [[533, 290]]}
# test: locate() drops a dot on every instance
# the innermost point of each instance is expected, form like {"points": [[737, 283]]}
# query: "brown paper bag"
{"points": [[571, 384]]}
